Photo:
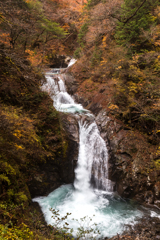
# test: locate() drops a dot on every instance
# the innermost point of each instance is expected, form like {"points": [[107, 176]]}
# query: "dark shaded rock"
{"points": [[71, 143], [95, 108], [82, 101], [59, 61], [51, 174], [47, 178], [70, 83], [149, 197]]}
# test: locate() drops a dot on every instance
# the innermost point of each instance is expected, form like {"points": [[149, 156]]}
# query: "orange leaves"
{"points": [[4, 38], [66, 26], [104, 42], [72, 4], [35, 58]]}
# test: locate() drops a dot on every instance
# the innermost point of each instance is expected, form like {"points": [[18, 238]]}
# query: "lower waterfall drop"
{"points": [[91, 194]]}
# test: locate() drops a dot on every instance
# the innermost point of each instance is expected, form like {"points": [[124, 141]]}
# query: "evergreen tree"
{"points": [[136, 16]]}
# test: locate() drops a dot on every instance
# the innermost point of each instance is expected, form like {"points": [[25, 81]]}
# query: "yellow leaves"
{"points": [[120, 60], [132, 103], [7, 168], [143, 115], [18, 146], [103, 62], [133, 87], [113, 107], [119, 67], [133, 67], [17, 133], [21, 127], [115, 80], [153, 18], [104, 42], [17, 232]]}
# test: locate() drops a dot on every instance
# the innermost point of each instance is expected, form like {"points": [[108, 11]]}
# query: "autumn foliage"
{"points": [[119, 46]]}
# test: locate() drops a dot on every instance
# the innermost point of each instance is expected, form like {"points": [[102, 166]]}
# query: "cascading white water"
{"points": [[92, 160], [62, 101], [92, 191]]}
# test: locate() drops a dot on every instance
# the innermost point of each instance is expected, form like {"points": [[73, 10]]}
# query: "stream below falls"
{"points": [[92, 206]]}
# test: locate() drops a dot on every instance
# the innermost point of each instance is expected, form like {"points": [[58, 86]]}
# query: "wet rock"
{"points": [[46, 178], [147, 229], [149, 197], [70, 83], [70, 125], [71, 142], [157, 203]]}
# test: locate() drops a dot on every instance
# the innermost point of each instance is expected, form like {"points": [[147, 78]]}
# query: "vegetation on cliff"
{"points": [[119, 47], [30, 131]]}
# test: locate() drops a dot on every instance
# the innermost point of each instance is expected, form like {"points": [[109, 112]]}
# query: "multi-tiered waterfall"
{"points": [[91, 194]]}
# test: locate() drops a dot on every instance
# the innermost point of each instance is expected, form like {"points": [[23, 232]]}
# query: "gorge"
{"points": [[91, 199], [83, 139]]}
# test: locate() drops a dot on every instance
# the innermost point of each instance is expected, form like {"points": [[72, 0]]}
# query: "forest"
{"points": [[117, 47]]}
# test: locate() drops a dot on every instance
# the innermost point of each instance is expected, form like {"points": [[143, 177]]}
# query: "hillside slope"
{"points": [[33, 145], [118, 72]]}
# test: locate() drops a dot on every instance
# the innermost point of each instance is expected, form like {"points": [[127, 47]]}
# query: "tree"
{"points": [[136, 16], [27, 25]]}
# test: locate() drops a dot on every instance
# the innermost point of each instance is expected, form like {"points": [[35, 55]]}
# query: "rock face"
{"points": [[71, 143], [51, 174], [60, 61], [70, 83], [131, 160], [147, 229], [46, 178]]}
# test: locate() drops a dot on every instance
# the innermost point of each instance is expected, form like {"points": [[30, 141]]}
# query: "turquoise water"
{"points": [[108, 211]]}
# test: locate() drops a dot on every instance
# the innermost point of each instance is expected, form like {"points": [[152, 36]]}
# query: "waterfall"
{"points": [[91, 194], [92, 159], [93, 154]]}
